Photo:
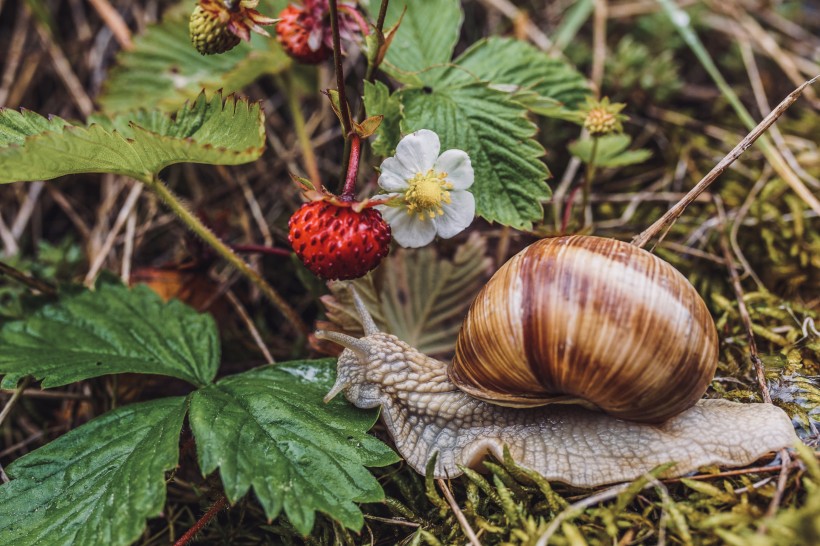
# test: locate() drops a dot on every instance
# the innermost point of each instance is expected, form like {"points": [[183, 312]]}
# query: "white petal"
{"points": [[457, 216], [418, 151], [456, 163], [408, 230], [393, 175], [396, 166]]}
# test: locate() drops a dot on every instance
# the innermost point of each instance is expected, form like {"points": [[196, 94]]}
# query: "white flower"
{"points": [[427, 190]]}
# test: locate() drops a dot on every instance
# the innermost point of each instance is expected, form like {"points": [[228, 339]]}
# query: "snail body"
{"points": [[427, 412]]}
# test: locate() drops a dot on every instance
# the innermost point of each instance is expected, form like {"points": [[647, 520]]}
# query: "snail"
{"points": [[586, 357]]}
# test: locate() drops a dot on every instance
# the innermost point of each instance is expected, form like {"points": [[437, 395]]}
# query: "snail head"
{"points": [[351, 369], [379, 364]]}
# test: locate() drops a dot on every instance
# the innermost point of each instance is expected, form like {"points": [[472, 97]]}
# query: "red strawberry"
{"points": [[302, 35], [336, 242]]}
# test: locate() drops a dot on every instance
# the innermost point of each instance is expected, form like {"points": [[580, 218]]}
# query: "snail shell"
{"points": [[591, 321]]}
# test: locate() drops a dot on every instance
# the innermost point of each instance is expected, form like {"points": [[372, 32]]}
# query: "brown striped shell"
{"points": [[592, 321]]}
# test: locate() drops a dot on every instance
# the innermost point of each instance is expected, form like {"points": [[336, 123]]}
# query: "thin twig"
{"points": [[128, 247], [63, 202], [114, 21], [577, 507], [202, 522], [9, 242], [782, 479], [26, 209], [14, 53], [34, 284], [256, 210], [536, 36], [243, 314], [764, 107], [741, 306], [262, 249], [14, 398], [740, 472], [674, 213], [63, 68], [465, 525], [122, 217], [738, 221]]}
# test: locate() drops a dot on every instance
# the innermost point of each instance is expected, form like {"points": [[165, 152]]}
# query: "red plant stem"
{"points": [[568, 210], [262, 249], [344, 109], [202, 522], [352, 166]]}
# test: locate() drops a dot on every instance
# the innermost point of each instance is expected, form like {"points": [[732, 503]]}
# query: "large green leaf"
{"points": [[379, 101], [163, 70], [268, 429], [139, 145], [110, 330], [96, 484], [509, 62], [427, 35], [510, 179]]}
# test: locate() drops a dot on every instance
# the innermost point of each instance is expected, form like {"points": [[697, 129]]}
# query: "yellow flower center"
{"points": [[426, 193]]}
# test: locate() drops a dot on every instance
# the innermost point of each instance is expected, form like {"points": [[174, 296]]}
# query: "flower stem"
{"points": [[262, 249], [311, 165], [590, 174], [195, 224], [373, 64], [202, 522], [344, 109], [352, 167]]}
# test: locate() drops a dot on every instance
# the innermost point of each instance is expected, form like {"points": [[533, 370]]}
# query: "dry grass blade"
{"points": [[674, 213]]}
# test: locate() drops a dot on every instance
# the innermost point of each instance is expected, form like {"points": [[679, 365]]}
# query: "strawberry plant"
{"points": [[184, 186]]}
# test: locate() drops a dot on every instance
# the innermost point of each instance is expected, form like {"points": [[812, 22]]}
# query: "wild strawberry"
{"points": [[302, 35], [305, 33], [210, 35], [334, 241], [217, 26]]}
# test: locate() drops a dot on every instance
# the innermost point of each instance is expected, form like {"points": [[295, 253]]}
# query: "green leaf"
{"points": [[495, 132], [137, 145], [111, 330], [96, 484], [378, 100], [611, 151], [509, 62], [427, 35], [269, 429], [164, 70], [416, 295]]}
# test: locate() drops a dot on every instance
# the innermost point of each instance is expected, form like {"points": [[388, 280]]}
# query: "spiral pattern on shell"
{"points": [[591, 321]]}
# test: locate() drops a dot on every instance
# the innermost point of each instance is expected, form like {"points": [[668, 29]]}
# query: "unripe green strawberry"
{"points": [[209, 34], [336, 242]]}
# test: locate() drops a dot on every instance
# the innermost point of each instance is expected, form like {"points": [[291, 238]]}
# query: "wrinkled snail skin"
{"points": [[591, 320], [425, 413], [598, 329]]}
